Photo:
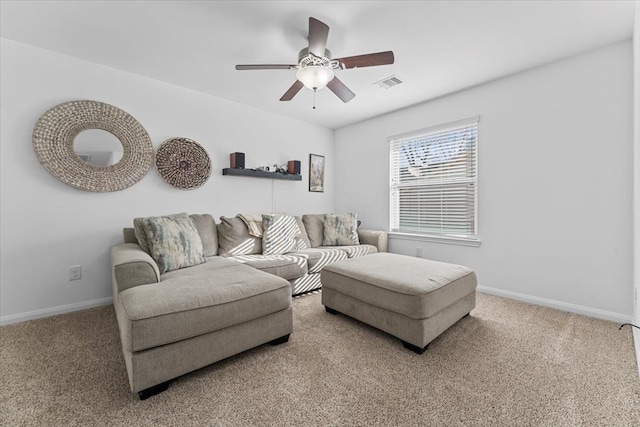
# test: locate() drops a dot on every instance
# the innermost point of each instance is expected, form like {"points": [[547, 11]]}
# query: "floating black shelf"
{"points": [[261, 174]]}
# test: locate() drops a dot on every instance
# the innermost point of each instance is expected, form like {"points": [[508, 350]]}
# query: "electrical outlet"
{"points": [[75, 272], [419, 252]]}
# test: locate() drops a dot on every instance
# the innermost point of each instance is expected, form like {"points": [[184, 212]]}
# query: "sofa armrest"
{"points": [[131, 266], [377, 238]]}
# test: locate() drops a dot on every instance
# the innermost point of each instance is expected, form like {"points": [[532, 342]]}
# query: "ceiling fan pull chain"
{"points": [[314, 98]]}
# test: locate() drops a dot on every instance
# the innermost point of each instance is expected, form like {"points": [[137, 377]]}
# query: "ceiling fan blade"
{"points": [[344, 93], [265, 67], [293, 90], [318, 34], [369, 60]]}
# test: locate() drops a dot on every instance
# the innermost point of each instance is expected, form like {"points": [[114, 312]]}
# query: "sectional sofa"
{"points": [[189, 291]]}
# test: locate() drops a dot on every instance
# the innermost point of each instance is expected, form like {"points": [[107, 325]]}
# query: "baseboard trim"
{"points": [[636, 341], [47, 312], [571, 308]]}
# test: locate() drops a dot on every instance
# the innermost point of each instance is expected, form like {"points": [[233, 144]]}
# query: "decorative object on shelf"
{"points": [[293, 166], [183, 163], [261, 174], [279, 168], [236, 160], [53, 142], [316, 173], [275, 168]]}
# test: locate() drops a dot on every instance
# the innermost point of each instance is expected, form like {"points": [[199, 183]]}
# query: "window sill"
{"points": [[450, 240]]}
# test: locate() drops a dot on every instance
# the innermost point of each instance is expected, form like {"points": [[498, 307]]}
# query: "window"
{"points": [[433, 182]]}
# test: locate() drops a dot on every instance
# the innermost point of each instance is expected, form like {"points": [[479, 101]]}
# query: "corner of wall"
{"points": [[636, 178]]}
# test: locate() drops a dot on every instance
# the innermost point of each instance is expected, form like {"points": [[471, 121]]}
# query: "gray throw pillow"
{"points": [[340, 230], [234, 238], [174, 241]]}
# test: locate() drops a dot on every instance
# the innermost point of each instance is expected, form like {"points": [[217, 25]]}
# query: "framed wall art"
{"points": [[316, 173]]}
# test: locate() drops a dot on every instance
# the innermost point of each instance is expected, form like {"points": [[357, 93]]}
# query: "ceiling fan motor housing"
{"points": [[307, 59]]}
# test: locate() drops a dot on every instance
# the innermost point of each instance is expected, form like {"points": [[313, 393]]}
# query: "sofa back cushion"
{"points": [[129, 234], [340, 230], [234, 238], [314, 225], [206, 226], [173, 241], [302, 241]]}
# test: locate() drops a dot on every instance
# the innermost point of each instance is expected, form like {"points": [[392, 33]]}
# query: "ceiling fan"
{"points": [[315, 67]]}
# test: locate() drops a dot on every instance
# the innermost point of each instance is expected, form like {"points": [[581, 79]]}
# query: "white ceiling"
{"points": [[440, 46]]}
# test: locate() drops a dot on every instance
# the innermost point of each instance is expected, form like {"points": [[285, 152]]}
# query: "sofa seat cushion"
{"points": [[197, 300], [356, 250], [288, 266], [318, 258]]}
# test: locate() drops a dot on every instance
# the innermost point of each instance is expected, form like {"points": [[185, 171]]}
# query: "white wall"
{"points": [[555, 181], [47, 226], [636, 175]]}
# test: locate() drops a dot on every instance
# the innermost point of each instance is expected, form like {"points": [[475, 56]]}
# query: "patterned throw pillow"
{"points": [[340, 230], [279, 235], [173, 241]]}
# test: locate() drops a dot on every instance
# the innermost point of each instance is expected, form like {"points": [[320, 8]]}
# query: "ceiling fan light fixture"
{"points": [[315, 77]]}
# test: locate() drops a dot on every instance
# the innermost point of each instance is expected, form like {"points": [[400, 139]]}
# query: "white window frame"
{"points": [[398, 179]]}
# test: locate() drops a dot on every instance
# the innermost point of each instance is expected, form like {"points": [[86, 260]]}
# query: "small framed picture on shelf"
{"points": [[316, 173]]}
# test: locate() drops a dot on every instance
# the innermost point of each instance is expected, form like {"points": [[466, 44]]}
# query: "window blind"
{"points": [[433, 180]]}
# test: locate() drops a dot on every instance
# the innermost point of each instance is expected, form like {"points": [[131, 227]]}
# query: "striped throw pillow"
{"points": [[279, 234]]}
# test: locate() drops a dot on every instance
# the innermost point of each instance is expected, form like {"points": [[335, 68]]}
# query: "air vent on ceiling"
{"points": [[390, 81]]}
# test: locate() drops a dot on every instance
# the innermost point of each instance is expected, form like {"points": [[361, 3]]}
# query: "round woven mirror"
{"points": [[53, 143]]}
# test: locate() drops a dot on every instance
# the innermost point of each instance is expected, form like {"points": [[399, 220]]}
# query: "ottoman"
{"points": [[413, 299]]}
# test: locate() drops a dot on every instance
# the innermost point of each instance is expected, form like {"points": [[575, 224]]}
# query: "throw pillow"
{"points": [[141, 233], [279, 234], [234, 238], [174, 241], [340, 230]]}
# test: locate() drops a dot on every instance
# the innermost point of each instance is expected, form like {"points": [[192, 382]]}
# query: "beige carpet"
{"points": [[508, 364]]}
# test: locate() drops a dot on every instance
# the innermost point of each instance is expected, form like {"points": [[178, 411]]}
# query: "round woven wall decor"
{"points": [[56, 130], [183, 163]]}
